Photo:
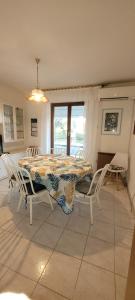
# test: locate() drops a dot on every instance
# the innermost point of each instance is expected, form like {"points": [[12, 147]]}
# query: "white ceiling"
{"points": [[78, 41]]}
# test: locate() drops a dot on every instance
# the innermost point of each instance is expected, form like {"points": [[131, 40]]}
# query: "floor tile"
{"points": [[39, 212], [3, 271], [28, 230], [12, 224], [107, 200], [9, 244], [94, 283], [124, 220], [120, 287], [79, 224], [102, 231], [122, 200], [104, 215], [43, 293], [58, 218], [99, 253], [72, 243], [32, 261], [5, 215], [14, 282], [122, 258], [48, 235], [11, 247], [81, 210], [122, 207], [123, 237], [61, 273]]}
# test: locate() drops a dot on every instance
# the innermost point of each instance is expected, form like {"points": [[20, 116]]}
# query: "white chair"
{"points": [[58, 150], [120, 160], [8, 167], [30, 191], [80, 154], [32, 151], [119, 165], [91, 190]]}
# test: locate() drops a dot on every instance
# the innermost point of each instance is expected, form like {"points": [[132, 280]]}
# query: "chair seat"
{"points": [[83, 187], [38, 187], [116, 168], [13, 177]]}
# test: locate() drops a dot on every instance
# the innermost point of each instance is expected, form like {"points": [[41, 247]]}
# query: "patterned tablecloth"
{"points": [[59, 174]]}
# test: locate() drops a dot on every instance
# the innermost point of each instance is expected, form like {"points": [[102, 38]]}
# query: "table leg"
{"points": [[69, 192]]}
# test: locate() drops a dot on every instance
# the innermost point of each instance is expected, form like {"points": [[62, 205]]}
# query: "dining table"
{"points": [[59, 174]]}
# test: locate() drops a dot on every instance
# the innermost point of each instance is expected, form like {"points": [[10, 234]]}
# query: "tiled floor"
{"points": [[63, 257]]}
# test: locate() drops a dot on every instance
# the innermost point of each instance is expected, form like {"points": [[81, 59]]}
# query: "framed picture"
{"points": [[111, 121], [34, 127]]}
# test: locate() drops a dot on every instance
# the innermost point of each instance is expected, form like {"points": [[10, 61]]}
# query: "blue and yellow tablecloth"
{"points": [[59, 174]]}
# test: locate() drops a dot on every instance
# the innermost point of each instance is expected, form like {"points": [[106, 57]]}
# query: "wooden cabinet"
{"points": [[104, 158], [13, 123]]}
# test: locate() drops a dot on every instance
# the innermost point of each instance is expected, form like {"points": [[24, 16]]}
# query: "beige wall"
{"points": [[131, 182]]}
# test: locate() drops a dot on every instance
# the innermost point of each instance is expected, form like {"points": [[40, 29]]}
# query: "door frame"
{"points": [[69, 105]]}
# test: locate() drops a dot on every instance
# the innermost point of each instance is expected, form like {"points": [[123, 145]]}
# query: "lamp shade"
{"points": [[37, 95]]}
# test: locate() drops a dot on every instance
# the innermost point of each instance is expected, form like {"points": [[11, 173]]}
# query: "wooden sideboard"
{"points": [[104, 158]]}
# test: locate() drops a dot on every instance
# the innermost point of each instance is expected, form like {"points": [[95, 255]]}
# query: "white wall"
{"points": [[33, 110], [116, 143], [131, 181], [104, 143]]}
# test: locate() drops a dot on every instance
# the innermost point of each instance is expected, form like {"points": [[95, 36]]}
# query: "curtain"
{"points": [[91, 127], [45, 128], [91, 100]]}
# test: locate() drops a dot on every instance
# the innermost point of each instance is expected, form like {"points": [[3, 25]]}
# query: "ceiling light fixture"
{"points": [[37, 94]]}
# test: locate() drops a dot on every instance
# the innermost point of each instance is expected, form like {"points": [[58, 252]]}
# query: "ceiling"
{"points": [[79, 42]]}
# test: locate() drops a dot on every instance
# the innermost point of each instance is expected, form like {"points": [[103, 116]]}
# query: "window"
{"points": [[67, 127]]}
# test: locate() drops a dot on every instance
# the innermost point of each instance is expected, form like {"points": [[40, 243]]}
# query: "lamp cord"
{"points": [[37, 61]]}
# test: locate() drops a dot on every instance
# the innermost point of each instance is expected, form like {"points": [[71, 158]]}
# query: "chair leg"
{"points": [[30, 211], [91, 211], [51, 203], [98, 201], [20, 202]]}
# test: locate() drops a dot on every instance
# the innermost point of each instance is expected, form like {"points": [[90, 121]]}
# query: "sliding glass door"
{"points": [[67, 127], [60, 128]]}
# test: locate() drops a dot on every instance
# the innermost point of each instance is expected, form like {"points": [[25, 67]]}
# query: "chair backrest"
{"points": [[80, 154], [58, 150], [121, 160], [98, 180], [7, 163], [32, 151], [19, 174]]}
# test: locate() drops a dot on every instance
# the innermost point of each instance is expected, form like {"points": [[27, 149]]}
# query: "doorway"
{"points": [[67, 127]]}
